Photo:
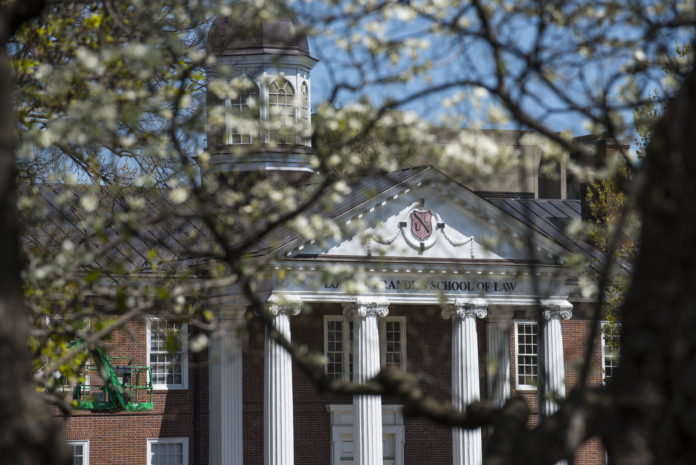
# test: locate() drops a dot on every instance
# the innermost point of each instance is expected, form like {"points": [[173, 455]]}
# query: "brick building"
{"points": [[441, 300]]}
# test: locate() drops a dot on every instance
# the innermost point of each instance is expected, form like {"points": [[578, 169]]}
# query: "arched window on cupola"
{"points": [[281, 108], [242, 116], [306, 138]]}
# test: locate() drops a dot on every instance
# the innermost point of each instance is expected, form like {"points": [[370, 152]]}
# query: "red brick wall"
{"points": [[428, 357], [428, 345], [576, 331], [120, 438]]}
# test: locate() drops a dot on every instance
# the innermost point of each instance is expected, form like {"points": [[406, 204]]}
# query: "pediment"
{"points": [[428, 217]]}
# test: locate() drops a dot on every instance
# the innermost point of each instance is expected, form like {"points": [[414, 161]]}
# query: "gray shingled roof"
{"points": [[172, 238], [550, 218], [51, 222], [361, 190]]}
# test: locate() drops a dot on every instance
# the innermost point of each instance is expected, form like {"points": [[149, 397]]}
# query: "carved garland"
{"points": [[421, 245]]}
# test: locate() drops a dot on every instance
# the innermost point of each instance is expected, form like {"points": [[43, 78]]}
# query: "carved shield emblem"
{"points": [[421, 224]]}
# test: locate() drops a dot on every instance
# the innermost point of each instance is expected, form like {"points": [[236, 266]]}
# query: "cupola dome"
{"points": [[241, 35]]}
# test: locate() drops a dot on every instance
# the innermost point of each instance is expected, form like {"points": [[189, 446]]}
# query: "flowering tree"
{"points": [[108, 105]]}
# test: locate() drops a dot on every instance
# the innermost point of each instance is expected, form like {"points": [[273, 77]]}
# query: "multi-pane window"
{"points": [[392, 343], [242, 115], [306, 139], [167, 353], [167, 451], [338, 345], [65, 380], [281, 106], [335, 347], [610, 349], [80, 452], [65, 383], [342, 439], [527, 350], [350, 350]]}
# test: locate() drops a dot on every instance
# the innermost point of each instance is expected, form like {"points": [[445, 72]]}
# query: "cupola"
{"points": [[267, 123]]}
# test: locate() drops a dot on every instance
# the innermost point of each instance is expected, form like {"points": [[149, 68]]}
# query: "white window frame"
{"points": [[61, 383], [348, 344], [282, 115], [519, 386], [184, 356], [236, 109], [305, 114], [85, 450], [342, 426], [65, 386], [383, 340], [604, 351], [184, 441]]}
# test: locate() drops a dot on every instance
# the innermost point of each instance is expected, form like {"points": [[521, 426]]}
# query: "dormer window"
{"points": [[281, 108], [242, 116]]}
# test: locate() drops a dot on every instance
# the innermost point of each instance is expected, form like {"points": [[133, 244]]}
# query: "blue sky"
{"points": [[473, 61]]}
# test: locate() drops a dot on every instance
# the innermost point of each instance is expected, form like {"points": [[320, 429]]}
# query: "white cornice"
{"points": [[416, 299], [425, 268], [458, 195]]}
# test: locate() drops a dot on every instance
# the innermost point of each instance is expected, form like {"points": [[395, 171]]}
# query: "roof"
{"points": [[182, 235], [245, 34], [361, 190], [549, 217], [55, 218]]}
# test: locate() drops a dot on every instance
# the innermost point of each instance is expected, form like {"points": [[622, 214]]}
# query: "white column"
{"points": [[554, 379], [499, 355], [554, 375], [367, 410], [277, 403], [466, 443], [226, 446]]}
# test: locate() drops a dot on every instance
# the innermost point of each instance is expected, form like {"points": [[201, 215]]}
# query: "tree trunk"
{"points": [[29, 434], [655, 386]]}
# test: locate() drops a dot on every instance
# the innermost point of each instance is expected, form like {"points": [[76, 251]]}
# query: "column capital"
{"points": [[290, 306], [561, 309], [462, 308], [364, 307]]}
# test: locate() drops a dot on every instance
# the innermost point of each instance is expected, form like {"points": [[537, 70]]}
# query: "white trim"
{"points": [[518, 386], [57, 376], [342, 426], [604, 353], [601, 363], [348, 344], [85, 450], [459, 195], [184, 357], [434, 298], [183, 441], [383, 340]]}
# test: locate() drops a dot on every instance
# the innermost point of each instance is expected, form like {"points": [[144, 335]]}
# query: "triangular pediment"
{"points": [[428, 216]]}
